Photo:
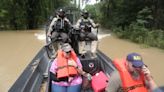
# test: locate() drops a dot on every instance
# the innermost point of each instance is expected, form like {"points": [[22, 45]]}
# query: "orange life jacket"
{"points": [[128, 83], [64, 70]]}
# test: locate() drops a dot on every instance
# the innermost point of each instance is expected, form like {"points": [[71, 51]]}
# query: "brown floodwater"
{"points": [[18, 48], [153, 57]]}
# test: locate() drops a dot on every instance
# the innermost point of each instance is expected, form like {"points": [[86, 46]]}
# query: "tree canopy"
{"points": [[27, 14], [124, 12], [141, 21]]}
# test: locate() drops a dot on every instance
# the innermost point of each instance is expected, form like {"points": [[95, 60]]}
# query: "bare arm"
{"points": [[79, 69], [93, 24], [78, 23], [69, 23], [152, 86]]}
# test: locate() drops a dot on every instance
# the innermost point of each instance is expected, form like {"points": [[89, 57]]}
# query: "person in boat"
{"points": [[132, 76], [60, 26], [85, 23], [66, 71]]}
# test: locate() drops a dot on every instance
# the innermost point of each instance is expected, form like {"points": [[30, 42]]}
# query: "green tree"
{"points": [[27, 14]]}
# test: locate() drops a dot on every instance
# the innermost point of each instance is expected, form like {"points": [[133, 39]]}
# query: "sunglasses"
{"points": [[139, 66], [68, 52]]}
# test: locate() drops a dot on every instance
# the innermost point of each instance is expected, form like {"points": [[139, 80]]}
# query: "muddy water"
{"points": [[16, 51], [153, 57], [18, 48]]}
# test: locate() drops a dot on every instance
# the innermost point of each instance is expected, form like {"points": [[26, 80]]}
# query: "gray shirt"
{"points": [[115, 83]]}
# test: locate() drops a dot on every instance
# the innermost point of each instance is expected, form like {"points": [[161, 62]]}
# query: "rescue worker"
{"points": [[85, 23], [60, 27], [66, 71], [132, 76]]}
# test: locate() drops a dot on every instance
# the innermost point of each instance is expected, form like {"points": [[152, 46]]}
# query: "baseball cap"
{"points": [[135, 59], [66, 47]]}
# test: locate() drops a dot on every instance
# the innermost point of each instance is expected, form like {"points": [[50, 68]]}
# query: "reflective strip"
{"points": [[131, 87], [61, 67]]}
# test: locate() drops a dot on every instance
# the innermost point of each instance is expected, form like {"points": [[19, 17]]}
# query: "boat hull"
{"points": [[36, 72]]}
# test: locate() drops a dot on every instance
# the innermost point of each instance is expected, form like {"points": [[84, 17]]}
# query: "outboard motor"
{"points": [[74, 36]]}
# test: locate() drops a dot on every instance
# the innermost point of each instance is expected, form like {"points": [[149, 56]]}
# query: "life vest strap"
{"points": [[131, 87], [61, 67]]}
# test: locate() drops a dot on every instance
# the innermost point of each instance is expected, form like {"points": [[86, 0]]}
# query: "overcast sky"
{"points": [[91, 2]]}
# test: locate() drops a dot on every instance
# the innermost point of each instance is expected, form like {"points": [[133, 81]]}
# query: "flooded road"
{"points": [[17, 49]]}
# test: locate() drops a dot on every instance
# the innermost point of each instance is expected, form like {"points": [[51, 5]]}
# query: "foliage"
{"points": [[27, 14], [94, 11], [142, 35], [140, 21]]}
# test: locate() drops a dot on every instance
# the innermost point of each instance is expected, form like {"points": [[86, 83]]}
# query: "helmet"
{"points": [[85, 14], [61, 13]]}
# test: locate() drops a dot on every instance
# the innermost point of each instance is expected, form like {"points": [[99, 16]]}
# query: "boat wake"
{"points": [[42, 36]]}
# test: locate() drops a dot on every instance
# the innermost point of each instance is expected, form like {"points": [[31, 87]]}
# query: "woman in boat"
{"points": [[132, 76], [66, 71]]}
